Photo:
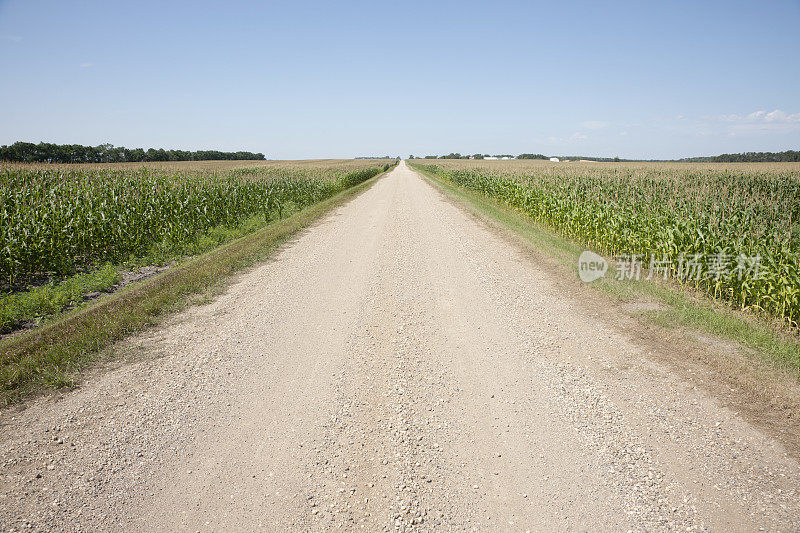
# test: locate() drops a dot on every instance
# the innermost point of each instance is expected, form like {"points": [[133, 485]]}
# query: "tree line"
{"points": [[749, 157], [22, 152]]}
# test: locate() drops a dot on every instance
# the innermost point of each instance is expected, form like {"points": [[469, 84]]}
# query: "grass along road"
{"points": [[424, 374]]}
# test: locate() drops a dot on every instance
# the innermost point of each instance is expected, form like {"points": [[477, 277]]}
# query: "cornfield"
{"points": [[56, 221], [724, 221]]}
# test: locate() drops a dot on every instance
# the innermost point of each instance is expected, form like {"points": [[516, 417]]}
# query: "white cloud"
{"points": [[578, 136], [758, 117], [13, 38], [757, 122], [86, 65], [775, 117]]}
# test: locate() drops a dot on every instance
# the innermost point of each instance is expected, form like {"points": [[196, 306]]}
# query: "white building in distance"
{"points": [[554, 159]]}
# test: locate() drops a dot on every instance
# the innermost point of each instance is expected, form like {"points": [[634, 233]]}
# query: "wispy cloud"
{"points": [[86, 65], [578, 136], [759, 117], [12, 38], [759, 122]]}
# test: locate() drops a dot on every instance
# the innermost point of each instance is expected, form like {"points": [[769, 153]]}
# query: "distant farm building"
{"points": [[505, 158], [554, 159], [491, 158]]}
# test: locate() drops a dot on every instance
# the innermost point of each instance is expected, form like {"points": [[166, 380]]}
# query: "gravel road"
{"points": [[397, 367]]}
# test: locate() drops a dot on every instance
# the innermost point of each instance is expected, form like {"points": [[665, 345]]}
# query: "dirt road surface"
{"points": [[397, 367]]}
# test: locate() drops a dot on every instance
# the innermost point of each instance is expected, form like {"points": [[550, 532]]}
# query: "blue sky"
{"points": [[341, 79]]}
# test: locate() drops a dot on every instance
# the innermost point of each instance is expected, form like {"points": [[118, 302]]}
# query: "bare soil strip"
{"points": [[396, 367]]}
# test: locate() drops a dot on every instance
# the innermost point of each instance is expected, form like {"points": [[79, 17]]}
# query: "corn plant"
{"points": [[56, 222]]}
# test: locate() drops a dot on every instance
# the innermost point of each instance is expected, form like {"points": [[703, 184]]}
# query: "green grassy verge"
{"points": [[677, 307], [36, 304], [53, 355]]}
